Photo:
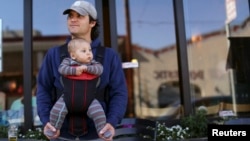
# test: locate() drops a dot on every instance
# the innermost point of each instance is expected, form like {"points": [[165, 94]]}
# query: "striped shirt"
{"points": [[66, 67]]}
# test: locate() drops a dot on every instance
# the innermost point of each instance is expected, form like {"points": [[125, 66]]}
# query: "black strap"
{"points": [[100, 53], [56, 93], [101, 94], [63, 51]]}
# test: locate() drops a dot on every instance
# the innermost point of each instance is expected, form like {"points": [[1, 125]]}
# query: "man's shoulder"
{"points": [[54, 48], [60, 50], [53, 55], [109, 50]]}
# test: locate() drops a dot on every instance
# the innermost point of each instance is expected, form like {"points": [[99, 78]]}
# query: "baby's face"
{"points": [[83, 53]]}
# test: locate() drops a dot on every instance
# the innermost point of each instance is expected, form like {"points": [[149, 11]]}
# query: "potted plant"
{"points": [[190, 128], [196, 123], [30, 135]]}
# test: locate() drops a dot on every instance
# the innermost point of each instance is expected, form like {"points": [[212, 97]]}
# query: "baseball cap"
{"points": [[83, 8]]}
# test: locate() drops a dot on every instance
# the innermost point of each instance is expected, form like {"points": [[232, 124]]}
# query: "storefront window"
{"points": [[156, 91], [11, 59], [208, 32], [212, 84]]}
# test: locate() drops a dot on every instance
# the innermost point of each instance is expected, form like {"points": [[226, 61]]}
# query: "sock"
{"points": [[96, 113], [57, 115]]}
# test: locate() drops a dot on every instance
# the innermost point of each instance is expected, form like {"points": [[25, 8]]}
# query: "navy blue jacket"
{"points": [[112, 76]]}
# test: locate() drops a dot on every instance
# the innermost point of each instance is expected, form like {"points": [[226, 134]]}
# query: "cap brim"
{"points": [[66, 11], [78, 10]]}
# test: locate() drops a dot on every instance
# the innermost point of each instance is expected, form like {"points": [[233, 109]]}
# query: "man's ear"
{"points": [[92, 23]]}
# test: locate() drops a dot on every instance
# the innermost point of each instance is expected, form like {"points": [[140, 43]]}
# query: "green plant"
{"points": [[36, 133], [3, 132], [165, 133], [197, 123], [192, 126]]}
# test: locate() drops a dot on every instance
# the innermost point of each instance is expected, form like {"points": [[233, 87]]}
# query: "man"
{"points": [[82, 23]]}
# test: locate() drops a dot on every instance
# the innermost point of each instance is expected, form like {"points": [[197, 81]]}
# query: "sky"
{"points": [[152, 21]]}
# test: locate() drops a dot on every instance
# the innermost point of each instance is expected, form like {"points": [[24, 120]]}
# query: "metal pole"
{"points": [[27, 65], [231, 76], [128, 57]]}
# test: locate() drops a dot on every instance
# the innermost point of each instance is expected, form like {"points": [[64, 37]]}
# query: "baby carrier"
{"points": [[79, 92]]}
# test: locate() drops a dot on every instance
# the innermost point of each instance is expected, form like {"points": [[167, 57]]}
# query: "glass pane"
{"points": [[156, 86], [11, 59], [208, 48]]}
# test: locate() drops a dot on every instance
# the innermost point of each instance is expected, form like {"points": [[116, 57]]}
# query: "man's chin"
{"points": [[73, 31], [74, 34]]}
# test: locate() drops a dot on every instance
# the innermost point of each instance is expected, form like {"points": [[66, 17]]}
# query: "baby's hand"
{"points": [[84, 68], [79, 70]]}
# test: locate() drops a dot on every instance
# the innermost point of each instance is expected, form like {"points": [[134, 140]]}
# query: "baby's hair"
{"points": [[72, 43]]}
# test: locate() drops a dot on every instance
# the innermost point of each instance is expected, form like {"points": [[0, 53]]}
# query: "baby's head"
{"points": [[80, 50]]}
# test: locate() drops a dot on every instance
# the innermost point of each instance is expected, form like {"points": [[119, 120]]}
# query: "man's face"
{"points": [[78, 25]]}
